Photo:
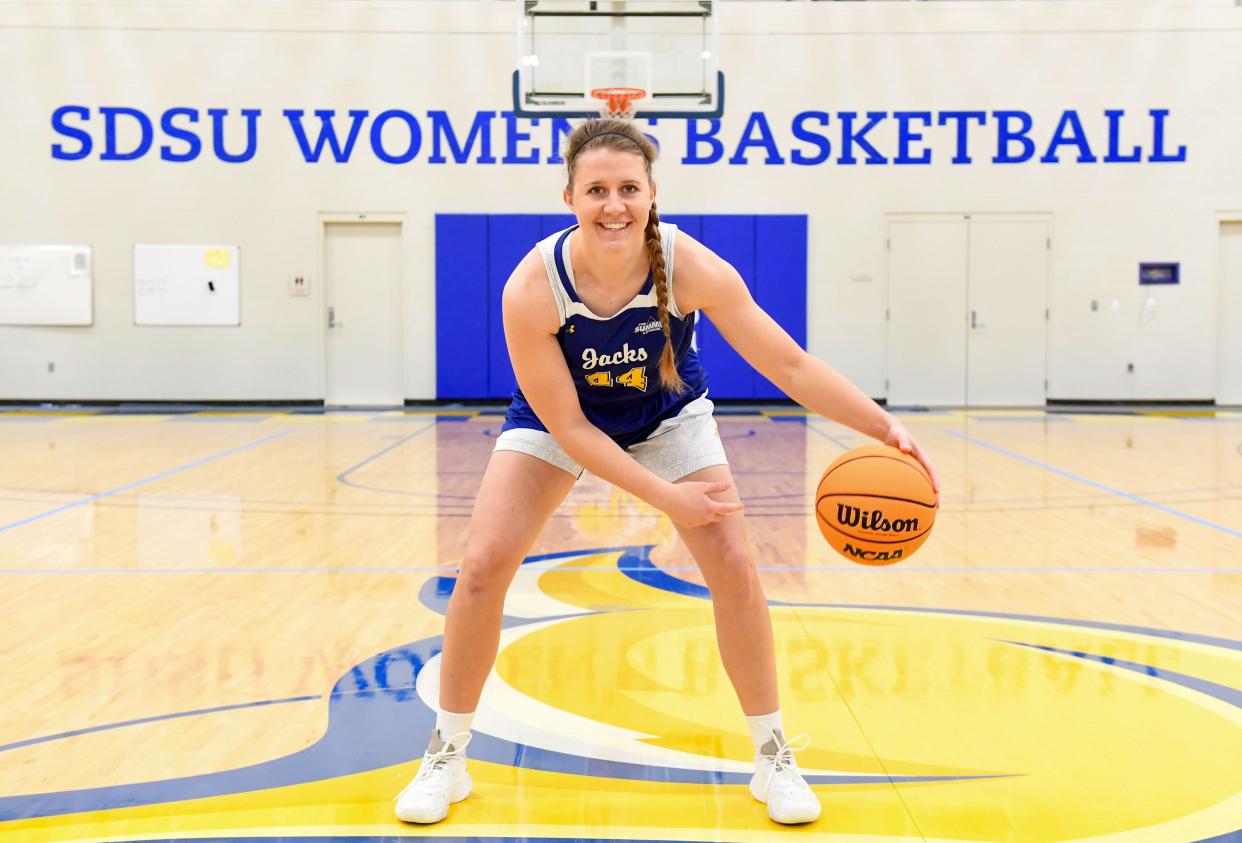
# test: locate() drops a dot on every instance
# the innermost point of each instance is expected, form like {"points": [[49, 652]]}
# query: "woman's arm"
{"points": [[707, 282], [531, 322]]}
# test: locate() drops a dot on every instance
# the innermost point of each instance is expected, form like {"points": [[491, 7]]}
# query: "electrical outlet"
{"points": [[299, 285]]}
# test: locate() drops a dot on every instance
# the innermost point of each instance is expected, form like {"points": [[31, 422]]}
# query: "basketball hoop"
{"points": [[618, 102]]}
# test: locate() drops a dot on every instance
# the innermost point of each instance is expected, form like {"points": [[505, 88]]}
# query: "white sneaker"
{"points": [[442, 779], [778, 783]]}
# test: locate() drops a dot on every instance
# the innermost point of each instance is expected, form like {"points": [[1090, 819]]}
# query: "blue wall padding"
{"points": [[733, 238], [462, 327], [475, 254], [509, 238], [780, 281], [553, 223], [692, 225]]}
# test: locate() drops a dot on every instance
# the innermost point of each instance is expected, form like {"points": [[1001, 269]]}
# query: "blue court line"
{"points": [[1210, 640], [1231, 837], [844, 446], [145, 480], [240, 418], [105, 727], [1070, 476], [343, 477], [336, 694], [388, 838], [1028, 418], [889, 570], [656, 577], [750, 500], [461, 509], [1224, 693]]}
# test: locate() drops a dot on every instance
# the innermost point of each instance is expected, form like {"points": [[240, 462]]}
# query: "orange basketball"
{"points": [[875, 505]]}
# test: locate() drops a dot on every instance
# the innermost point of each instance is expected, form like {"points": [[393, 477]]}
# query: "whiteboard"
{"points": [[187, 285], [45, 285]]}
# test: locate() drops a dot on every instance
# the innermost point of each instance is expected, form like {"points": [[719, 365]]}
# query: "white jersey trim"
{"points": [[546, 248], [566, 307]]}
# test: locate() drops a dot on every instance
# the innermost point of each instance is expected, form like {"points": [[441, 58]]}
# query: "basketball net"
{"points": [[618, 102]]}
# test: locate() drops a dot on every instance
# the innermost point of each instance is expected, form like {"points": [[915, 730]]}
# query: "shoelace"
{"points": [[783, 760], [434, 762]]}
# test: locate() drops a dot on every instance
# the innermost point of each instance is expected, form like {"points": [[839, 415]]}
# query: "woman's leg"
{"points": [[744, 634], [743, 625], [517, 496]]}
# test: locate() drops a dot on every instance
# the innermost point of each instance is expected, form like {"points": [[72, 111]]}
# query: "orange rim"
{"points": [[619, 99]]}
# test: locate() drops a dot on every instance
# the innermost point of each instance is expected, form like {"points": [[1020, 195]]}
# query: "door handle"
{"points": [[974, 320], [332, 323]]}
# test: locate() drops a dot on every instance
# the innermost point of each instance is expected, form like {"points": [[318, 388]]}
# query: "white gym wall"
{"points": [[780, 59]]}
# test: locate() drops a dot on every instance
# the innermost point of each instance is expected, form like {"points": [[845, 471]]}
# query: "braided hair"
{"points": [[621, 135]]}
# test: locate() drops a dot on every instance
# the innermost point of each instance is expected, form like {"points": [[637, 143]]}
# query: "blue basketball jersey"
{"points": [[615, 361]]}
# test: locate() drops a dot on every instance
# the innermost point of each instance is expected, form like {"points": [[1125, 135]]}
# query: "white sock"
{"points": [[766, 729], [450, 724]]}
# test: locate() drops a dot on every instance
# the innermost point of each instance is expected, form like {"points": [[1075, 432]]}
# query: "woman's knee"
{"points": [[733, 576], [486, 572]]}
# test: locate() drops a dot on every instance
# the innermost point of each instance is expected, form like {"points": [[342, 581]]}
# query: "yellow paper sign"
{"points": [[218, 259]]}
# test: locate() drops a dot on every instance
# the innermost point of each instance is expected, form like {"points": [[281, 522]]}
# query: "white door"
{"points": [[1007, 325], [928, 264], [1229, 302], [362, 290]]}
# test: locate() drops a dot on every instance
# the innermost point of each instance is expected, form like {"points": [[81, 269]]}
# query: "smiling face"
{"points": [[611, 194]]}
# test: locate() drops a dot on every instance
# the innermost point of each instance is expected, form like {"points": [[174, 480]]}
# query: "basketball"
{"points": [[875, 505]]}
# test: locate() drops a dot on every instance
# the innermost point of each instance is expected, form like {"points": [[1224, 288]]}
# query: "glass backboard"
{"points": [[568, 48]]}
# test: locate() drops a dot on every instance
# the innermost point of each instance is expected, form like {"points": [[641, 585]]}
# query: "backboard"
{"points": [[668, 48]]}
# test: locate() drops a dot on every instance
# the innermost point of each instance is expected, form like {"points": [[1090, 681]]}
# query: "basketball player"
{"points": [[599, 321]]}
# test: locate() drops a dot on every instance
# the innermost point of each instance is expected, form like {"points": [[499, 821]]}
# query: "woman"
{"points": [[599, 321]]}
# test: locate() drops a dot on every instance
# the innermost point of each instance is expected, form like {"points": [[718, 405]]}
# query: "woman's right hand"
{"points": [[690, 504]]}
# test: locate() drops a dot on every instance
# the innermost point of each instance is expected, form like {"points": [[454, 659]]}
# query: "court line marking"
{"points": [[875, 752], [153, 719], [789, 569], [834, 440], [761, 509], [654, 576], [343, 477], [334, 694], [100, 495], [461, 509], [775, 499], [1093, 484], [1225, 693]]}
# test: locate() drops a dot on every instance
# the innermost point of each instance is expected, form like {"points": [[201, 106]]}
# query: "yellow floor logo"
{"points": [[609, 716]]}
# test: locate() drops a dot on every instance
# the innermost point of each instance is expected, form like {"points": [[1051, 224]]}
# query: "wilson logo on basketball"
{"points": [[852, 516]]}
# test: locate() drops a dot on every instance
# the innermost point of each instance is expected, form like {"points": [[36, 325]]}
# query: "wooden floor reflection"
{"points": [[225, 625]]}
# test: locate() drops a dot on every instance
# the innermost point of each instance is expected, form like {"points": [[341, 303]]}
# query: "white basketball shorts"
{"points": [[681, 445]]}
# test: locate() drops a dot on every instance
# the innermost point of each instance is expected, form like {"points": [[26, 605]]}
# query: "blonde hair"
{"points": [[621, 135]]}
